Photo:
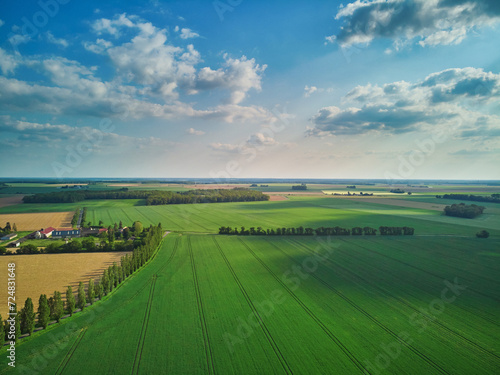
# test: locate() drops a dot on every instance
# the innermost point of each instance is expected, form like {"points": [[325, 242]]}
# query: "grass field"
{"points": [[46, 273], [228, 305], [36, 221]]}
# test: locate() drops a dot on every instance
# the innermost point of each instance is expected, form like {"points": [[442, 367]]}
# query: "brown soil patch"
{"points": [[35, 221], [309, 193], [46, 273], [273, 198], [10, 201], [403, 203]]}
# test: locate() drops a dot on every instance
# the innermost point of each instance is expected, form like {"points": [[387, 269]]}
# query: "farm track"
{"points": [[489, 320], [124, 213], [144, 330], [70, 353], [425, 271], [262, 324], [369, 316], [318, 321], [201, 313], [400, 300], [167, 262]]}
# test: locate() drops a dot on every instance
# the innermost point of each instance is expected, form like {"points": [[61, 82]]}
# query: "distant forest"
{"points": [[464, 210], [152, 197]]}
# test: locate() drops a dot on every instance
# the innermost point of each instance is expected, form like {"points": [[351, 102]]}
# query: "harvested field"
{"points": [[274, 198], [299, 192], [53, 272], [12, 200], [34, 221], [402, 203]]}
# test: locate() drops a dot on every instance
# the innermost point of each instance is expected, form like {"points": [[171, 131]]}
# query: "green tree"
{"points": [[126, 234], [58, 310], [105, 281], [14, 227], [43, 311], [89, 244], [138, 228], [100, 223], [17, 325], [28, 317], [98, 290], [70, 301], [91, 291], [81, 302]]}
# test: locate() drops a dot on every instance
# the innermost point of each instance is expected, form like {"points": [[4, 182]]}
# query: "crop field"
{"points": [[46, 273], [58, 207], [295, 211], [34, 221], [210, 304]]}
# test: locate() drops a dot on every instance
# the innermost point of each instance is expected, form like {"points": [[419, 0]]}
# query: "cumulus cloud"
{"points": [[2, 23], [8, 62], [193, 131], [308, 91], [431, 22], [257, 141], [401, 107], [238, 76]]}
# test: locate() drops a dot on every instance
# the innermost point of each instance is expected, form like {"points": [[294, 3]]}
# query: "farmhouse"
{"points": [[9, 237], [65, 232], [46, 233]]}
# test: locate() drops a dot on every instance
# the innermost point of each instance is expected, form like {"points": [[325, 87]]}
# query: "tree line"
{"points": [[54, 308], [494, 198], [321, 231], [8, 229], [152, 197], [464, 210]]}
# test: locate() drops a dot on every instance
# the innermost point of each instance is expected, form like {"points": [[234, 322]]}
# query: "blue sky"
{"points": [[394, 89]]}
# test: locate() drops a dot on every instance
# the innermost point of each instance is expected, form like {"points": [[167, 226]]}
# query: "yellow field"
{"points": [[46, 273], [36, 221]]}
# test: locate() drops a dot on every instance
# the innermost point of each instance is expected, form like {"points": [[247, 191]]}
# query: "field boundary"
{"points": [[71, 351]]}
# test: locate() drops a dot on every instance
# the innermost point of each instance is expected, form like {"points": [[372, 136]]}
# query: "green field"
{"points": [[229, 305]]}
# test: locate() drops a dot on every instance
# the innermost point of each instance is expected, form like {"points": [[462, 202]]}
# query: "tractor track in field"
{"points": [[439, 277], [267, 333], [369, 316], [318, 321], [176, 245], [144, 329], [201, 313], [425, 271], [400, 300], [71, 351]]}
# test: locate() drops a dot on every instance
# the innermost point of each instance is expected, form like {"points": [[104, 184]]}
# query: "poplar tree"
{"points": [[28, 317], [91, 291], [70, 301], [81, 296], [57, 308], [2, 332], [43, 311]]}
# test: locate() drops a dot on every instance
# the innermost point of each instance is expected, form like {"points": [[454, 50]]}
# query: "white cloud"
{"points": [[8, 62], [2, 23], [431, 22], [193, 131], [98, 47], [309, 90], [450, 96], [188, 33], [58, 41]]}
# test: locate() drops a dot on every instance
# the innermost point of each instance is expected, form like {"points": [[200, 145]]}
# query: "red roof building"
{"points": [[47, 232]]}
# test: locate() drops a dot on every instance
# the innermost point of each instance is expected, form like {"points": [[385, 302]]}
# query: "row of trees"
{"points": [[464, 210], [494, 198], [322, 231], [299, 187], [206, 196], [53, 308], [153, 197]]}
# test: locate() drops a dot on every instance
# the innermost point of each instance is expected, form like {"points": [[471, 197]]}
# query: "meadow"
{"points": [[253, 305]]}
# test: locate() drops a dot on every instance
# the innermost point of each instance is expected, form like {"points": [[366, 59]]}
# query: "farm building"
{"points": [[9, 237], [46, 233], [65, 232]]}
